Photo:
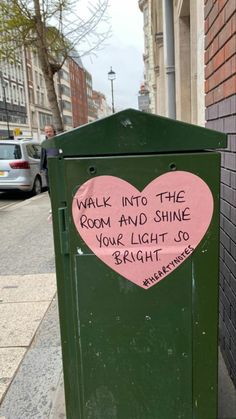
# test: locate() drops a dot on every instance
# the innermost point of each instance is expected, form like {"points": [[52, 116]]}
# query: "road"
{"points": [[11, 198]]}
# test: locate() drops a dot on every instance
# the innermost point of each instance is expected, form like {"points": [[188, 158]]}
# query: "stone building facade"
{"points": [[13, 101], [177, 28], [149, 75]]}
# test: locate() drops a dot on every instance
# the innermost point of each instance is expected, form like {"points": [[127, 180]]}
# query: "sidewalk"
{"points": [[30, 352]]}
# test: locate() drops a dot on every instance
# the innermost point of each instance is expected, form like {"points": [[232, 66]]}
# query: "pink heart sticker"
{"points": [[144, 236]]}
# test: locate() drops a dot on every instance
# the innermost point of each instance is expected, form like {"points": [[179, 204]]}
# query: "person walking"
{"points": [[50, 132]]}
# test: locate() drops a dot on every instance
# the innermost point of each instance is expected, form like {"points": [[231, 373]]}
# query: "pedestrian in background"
{"points": [[49, 131]]}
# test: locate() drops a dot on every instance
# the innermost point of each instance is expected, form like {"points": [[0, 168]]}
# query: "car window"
{"points": [[10, 152], [33, 151], [37, 149]]}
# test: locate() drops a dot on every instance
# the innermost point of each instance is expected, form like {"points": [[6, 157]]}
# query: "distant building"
{"points": [[24, 105], [62, 80], [92, 113], [39, 113], [78, 92], [143, 99], [13, 106], [100, 103]]}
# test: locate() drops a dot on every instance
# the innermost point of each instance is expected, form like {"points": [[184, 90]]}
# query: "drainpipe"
{"points": [[26, 86], [169, 56]]}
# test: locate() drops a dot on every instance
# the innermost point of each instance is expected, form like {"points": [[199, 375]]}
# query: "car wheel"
{"points": [[37, 188]]}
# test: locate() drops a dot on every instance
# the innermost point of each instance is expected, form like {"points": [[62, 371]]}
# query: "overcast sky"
{"points": [[124, 53]]}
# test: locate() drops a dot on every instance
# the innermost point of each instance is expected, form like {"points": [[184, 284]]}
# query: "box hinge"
{"points": [[63, 228]]}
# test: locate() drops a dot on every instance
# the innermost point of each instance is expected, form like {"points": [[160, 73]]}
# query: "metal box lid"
{"points": [[135, 132]]}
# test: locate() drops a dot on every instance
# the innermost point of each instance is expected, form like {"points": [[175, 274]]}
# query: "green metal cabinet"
{"points": [[128, 352]]}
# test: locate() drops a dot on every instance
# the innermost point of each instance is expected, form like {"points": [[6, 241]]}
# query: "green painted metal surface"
{"points": [[130, 353], [135, 132]]}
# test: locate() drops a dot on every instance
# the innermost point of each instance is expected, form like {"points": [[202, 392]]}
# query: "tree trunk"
{"points": [[47, 69], [54, 106]]}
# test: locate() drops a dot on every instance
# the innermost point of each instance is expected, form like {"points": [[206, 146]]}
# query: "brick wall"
{"points": [[220, 89]]}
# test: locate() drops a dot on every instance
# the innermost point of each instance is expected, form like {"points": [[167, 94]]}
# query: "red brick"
{"points": [[222, 74], [209, 69], [233, 64], [213, 48], [206, 25], [230, 9], [209, 99], [214, 13], [230, 87], [222, 3], [225, 34], [206, 57], [233, 24], [218, 93], [230, 47], [219, 58], [216, 27], [208, 38], [228, 69], [208, 7], [220, 21], [211, 83]]}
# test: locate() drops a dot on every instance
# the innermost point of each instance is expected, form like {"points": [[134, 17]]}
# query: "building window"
{"points": [[31, 95], [66, 105], [19, 73], [36, 78], [22, 96], [40, 80], [67, 120], [14, 94], [8, 92], [44, 119], [42, 99], [29, 73], [65, 90]]}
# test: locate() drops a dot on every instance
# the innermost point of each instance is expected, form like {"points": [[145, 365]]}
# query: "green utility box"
{"points": [[135, 203]]}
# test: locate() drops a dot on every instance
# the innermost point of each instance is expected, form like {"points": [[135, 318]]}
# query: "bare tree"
{"points": [[55, 29]]}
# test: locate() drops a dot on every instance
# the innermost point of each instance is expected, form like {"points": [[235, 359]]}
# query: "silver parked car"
{"points": [[20, 166]]}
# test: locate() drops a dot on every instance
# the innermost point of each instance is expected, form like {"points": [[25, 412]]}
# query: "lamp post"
{"points": [[3, 83], [112, 77]]}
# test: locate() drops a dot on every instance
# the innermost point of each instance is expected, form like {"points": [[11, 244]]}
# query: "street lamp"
{"points": [[112, 77], [4, 84]]}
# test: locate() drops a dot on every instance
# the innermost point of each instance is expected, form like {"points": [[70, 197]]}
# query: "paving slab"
{"points": [[24, 300], [22, 288], [19, 322], [32, 391], [10, 359], [227, 392]]}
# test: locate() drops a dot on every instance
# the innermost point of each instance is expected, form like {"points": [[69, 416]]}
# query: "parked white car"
{"points": [[20, 166]]}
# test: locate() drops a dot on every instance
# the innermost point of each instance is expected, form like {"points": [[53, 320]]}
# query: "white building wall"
{"points": [[149, 74], [189, 58]]}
